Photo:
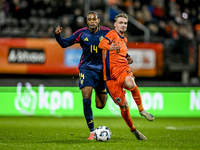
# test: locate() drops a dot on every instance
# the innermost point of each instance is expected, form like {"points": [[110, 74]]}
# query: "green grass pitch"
{"points": [[48, 133]]}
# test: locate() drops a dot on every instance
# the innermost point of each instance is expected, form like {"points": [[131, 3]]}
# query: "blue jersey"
{"points": [[91, 57]]}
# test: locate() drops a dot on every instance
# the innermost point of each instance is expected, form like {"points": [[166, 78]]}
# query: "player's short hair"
{"points": [[93, 12], [121, 15]]}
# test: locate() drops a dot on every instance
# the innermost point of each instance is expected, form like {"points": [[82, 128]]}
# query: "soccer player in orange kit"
{"points": [[118, 74]]}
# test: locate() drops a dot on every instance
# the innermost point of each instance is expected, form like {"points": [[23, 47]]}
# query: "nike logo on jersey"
{"points": [[86, 39]]}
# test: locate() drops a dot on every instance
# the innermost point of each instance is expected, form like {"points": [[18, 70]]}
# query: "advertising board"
{"points": [[45, 56], [25, 100]]}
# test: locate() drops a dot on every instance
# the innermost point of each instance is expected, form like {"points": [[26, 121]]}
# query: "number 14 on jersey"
{"points": [[93, 48]]}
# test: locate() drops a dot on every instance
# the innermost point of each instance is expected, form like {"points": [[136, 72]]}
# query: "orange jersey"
{"points": [[114, 61]]}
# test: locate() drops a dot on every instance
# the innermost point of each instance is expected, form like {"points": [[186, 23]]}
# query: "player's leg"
{"points": [[100, 90], [118, 95], [127, 118], [100, 100], [86, 93], [132, 87], [127, 79], [85, 84]]}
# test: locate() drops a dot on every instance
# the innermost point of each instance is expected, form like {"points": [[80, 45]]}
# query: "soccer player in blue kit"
{"points": [[90, 66]]}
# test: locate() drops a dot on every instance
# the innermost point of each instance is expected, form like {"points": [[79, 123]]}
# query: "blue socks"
{"points": [[88, 114]]}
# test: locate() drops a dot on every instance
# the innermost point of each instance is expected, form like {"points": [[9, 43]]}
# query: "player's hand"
{"points": [[129, 60], [58, 30], [114, 46]]}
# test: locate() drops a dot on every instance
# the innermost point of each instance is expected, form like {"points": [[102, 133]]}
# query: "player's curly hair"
{"points": [[93, 12], [121, 15]]}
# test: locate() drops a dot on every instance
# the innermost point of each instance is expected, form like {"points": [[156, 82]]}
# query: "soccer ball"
{"points": [[102, 133]]}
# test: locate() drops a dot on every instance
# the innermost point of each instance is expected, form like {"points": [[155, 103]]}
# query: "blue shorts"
{"points": [[93, 79]]}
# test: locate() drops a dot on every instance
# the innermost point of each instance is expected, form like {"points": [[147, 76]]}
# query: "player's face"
{"points": [[121, 25], [92, 21]]}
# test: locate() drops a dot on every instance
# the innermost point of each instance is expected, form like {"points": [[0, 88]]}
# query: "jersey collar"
{"points": [[120, 35]]}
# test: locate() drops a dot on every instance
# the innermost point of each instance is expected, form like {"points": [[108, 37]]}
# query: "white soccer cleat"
{"points": [[147, 115], [139, 135]]}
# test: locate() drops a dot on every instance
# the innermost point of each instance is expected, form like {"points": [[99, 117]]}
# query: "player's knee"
{"points": [[129, 82], [130, 85], [100, 107], [124, 105], [87, 92], [86, 95], [101, 101]]}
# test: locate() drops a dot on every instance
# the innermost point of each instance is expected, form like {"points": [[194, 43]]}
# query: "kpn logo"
{"points": [[31, 99]]}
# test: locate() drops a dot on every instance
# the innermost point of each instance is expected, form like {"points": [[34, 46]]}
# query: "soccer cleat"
{"points": [[139, 135], [91, 137], [147, 115]]}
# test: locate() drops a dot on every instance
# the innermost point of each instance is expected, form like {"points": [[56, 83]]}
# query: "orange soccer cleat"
{"points": [[91, 137]]}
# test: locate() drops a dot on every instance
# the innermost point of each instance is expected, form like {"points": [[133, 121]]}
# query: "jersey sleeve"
{"points": [[106, 42], [74, 38], [127, 55], [65, 42]]}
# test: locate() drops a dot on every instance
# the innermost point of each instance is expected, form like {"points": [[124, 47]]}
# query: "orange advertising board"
{"points": [[5, 66], [14, 54], [54, 63], [199, 62], [45, 56], [147, 58]]}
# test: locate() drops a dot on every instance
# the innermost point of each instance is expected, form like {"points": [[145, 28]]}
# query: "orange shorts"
{"points": [[116, 87]]}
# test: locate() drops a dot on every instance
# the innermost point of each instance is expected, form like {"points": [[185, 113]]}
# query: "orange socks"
{"points": [[127, 118], [136, 95]]}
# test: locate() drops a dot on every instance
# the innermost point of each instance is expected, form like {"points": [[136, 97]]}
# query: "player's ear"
{"points": [[114, 24], [99, 20]]}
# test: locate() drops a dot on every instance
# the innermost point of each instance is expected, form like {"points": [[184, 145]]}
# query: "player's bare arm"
{"points": [[58, 30]]}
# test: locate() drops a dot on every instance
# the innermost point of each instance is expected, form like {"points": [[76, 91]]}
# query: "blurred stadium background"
{"points": [[164, 42]]}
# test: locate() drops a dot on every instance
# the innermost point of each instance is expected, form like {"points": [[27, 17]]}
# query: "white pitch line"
{"points": [[173, 128]]}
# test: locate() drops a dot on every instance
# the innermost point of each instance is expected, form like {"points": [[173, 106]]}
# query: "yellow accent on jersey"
{"points": [[86, 39], [81, 81], [81, 76], [104, 90], [101, 38], [93, 48]]}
